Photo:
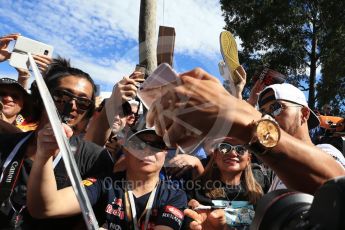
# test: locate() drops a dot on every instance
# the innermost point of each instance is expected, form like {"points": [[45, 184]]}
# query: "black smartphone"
{"points": [[140, 68], [139, 78]]}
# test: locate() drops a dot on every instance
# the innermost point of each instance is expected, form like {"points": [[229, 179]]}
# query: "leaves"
{"points": [[291, 36]]}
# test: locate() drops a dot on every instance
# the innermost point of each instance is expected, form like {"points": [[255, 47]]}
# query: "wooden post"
{"points": [[147, 35]]}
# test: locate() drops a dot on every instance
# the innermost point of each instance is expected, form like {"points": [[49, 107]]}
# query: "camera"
{"points": [[285, 209]]}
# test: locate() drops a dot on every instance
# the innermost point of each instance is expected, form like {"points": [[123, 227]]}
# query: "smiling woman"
{"points": [[15, 103], [228, 182]]}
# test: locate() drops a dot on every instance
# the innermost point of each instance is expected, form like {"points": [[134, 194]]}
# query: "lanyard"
{"points": [[9, 176], [148, 208], [10, 170], [12, 155]]}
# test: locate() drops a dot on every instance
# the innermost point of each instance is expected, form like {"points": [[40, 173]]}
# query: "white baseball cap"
{"points": [[288, 92]]}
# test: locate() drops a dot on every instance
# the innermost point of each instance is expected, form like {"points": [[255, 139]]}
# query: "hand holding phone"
{"points": [[140, 68], [4, 46], [138, 75], [19, 57]]}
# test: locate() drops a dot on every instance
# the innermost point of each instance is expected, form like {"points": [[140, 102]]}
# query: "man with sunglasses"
{"points": [[116, 110], [202, 102], [288, 106], [133, 199], [73, 93], [120, 130]]}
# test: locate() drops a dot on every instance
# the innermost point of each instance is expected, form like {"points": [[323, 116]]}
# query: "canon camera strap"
{"points": [[11, 169]]}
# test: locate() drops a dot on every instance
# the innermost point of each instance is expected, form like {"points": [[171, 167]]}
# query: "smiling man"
{"points": [[73, 93], [288, 106]]}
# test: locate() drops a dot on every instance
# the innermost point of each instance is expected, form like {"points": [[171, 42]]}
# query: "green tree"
{"points": [[290, 37], [331, 87]]}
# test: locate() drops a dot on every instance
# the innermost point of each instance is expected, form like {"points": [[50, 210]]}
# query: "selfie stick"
{"points": [[65, 149]]}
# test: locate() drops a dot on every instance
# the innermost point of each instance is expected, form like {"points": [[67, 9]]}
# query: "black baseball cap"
{"points": [[11, 82]]}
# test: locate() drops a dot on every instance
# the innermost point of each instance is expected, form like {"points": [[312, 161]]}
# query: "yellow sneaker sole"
{"points": [[228, 49]]}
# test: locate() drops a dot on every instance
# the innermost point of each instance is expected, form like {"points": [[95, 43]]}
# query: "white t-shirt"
{"points": [[327, 148]]}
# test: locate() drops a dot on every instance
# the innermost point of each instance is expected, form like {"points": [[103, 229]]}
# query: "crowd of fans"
{"points": [[135, 177]]}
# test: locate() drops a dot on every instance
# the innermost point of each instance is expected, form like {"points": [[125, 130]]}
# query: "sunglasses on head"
{"points": [[65, 96], [154, 146], [276, 108], [226, 148]]}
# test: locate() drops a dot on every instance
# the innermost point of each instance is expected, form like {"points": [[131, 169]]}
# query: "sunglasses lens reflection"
{"points": [[226, 148], [65, 97]]}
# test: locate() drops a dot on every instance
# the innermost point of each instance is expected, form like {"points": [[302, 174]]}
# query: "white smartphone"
{"points": [[213, 207], [24, 45]]}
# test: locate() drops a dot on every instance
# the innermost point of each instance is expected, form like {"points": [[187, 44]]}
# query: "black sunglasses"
{"points": [[276, 108], [126, 110], [226, 148], [155, 146], [64, 96], [15, 96]]}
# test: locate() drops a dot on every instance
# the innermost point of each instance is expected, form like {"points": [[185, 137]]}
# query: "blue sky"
{"points": [[100, 37]]}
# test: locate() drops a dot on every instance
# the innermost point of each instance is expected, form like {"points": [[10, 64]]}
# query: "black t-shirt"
{"points": [[91, 159], [167, 208]]}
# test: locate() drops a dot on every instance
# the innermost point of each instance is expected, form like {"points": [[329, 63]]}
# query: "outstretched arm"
{"points": [[43, 198], [208, 107]]}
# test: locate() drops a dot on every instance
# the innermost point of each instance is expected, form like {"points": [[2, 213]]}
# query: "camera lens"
{"points": [[46, 52], [281, 209]]}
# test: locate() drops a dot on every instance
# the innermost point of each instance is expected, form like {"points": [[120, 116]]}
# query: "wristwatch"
{"points": [[266, 135]]}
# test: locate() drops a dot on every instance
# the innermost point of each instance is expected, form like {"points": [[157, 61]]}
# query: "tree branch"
{"points": [[302, 87]]}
